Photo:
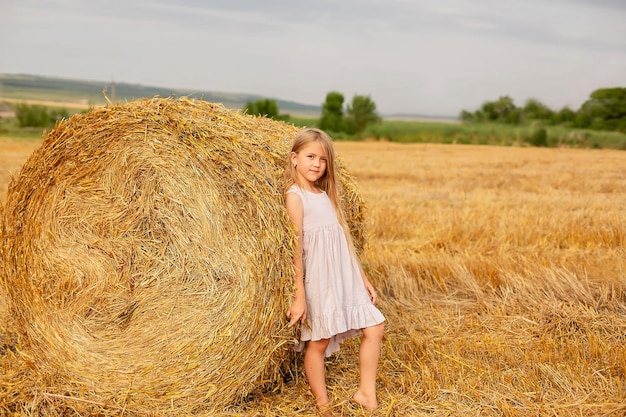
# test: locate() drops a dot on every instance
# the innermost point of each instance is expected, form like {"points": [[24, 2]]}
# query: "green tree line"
{"points": [[265, 107], [336, 119], [604, 110], [359, 114]]}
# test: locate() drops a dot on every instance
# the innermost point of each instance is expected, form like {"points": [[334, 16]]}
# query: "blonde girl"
{"points": [[334, 299]]}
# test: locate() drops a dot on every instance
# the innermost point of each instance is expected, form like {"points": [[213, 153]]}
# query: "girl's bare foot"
{"points": [[367, 401]]}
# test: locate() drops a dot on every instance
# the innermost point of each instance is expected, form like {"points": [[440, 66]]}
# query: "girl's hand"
{"points": [[368, 286], [297, 311], [371, 292]]}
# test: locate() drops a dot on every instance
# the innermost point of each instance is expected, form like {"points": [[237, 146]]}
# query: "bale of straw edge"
{"points": [[3, 312], [148, 257]]}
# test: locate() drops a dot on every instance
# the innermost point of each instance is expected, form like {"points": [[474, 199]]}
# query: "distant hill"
{"points": [[83, 93]]}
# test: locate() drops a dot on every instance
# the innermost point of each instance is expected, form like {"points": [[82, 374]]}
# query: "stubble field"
{"points": [[502, 276]]}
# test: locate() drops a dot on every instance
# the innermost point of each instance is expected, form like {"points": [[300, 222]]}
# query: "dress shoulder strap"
{"points": [[295, 189]]}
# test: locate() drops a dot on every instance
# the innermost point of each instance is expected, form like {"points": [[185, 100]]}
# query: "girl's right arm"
{"points": [[297, 310]]}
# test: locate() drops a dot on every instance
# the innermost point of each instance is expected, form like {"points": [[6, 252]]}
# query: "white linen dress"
{"points": [[338, 304]]}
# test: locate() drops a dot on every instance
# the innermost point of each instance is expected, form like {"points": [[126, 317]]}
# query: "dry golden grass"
{"points": [[502, 277], [503, 270], [13, 153]]}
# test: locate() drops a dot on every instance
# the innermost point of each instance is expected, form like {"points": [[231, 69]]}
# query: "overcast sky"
{"points": [[410, 56]]}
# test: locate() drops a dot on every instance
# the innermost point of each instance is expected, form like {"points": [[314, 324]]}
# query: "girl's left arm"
{"points": [[297, 310], [368, 286]]}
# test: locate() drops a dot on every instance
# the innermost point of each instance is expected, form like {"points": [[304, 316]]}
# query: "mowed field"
{"points": [[502, 276]]}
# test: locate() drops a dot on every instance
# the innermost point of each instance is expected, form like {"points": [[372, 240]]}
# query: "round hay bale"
{"points": [[148, 256], [4, 316], [3, 312]]}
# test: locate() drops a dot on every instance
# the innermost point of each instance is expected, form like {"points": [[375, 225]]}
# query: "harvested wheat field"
{"points": [[13, 153], [502, 276]]}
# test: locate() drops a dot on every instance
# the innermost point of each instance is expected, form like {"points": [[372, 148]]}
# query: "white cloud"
{"points": [[410, 56]]}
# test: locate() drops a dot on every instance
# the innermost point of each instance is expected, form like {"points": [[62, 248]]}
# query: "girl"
{"points": [[334, 299]]}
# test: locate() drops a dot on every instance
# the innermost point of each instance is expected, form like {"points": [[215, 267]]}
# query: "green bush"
{"points": [[35, 115], [538, 137], [31, 115]]}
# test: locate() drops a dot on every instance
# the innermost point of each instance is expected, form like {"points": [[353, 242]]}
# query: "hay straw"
{"points": [[473, 250], [147, 259]]}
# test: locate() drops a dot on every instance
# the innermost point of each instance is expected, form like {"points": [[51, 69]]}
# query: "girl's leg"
{"points": [[369, 352], [315, 371]]}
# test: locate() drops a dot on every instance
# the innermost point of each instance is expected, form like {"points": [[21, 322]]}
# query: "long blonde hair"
{"points": [[328, 182]]}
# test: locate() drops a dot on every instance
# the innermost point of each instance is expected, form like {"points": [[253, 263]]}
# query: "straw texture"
{"points": [[148, 258]]}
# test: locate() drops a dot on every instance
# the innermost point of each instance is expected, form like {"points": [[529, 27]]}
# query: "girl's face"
{"points": [[310, 163]]}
